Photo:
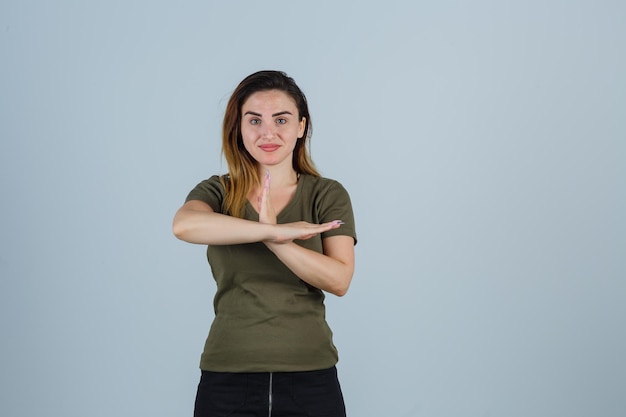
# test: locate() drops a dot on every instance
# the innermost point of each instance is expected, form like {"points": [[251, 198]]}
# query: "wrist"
{"points": [[271, 232]]}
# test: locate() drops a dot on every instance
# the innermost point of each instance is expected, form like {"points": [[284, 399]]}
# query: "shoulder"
{"points": [[210, 190], [321, 184], [324, 191], [215, 181]]}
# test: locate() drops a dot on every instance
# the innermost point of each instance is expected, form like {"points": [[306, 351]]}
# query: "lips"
{"points": [[270, 147]]}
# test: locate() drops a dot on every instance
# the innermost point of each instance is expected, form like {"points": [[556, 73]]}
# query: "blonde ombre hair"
{"points": [[242, 167]]}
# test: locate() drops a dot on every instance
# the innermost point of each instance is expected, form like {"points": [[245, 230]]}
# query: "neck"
{"points": [[279, 176]]}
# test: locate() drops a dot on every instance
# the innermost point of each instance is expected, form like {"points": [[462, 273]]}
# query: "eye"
{"points": [[281, 121], [255, 122]]}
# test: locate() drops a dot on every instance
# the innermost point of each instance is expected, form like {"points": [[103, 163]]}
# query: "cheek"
{"points": [[247, 136], [247, 144]]}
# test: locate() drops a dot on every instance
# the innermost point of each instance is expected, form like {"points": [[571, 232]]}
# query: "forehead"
{"points": [[270, 100]]}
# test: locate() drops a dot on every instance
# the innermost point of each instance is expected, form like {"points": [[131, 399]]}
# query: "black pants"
{"points": [[276, 394]]}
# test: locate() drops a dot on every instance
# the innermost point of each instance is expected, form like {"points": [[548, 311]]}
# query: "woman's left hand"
{"points": [[267, 214]]}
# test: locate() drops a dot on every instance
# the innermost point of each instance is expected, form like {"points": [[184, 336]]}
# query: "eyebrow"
{"points": [[280, 113]]}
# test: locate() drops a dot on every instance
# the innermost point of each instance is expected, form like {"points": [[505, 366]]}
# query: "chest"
{"points": [[279, 198]]}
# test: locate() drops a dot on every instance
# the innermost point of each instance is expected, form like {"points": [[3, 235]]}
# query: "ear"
{"points": [[301, 127]]}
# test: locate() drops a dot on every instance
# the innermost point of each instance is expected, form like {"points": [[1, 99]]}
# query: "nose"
{"points": [[268, 130]]}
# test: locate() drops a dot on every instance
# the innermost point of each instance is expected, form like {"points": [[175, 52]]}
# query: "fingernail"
{"points": [[338, 222]]}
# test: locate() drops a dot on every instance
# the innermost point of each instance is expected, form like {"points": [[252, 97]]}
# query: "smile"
{"points": [[270, 147]]}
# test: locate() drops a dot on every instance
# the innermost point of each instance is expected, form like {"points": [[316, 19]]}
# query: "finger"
{"points": [[266, 211], [266, 193], [319, 229], [333, 225], [267, 180]]}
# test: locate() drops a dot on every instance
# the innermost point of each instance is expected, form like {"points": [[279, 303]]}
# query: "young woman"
{"points": [[279, 235]]}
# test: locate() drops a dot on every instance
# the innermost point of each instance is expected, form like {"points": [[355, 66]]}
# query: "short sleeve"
{"points": [[334, 204], [210, 191]]}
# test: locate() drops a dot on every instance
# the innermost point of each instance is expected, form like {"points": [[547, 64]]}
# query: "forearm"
{"points": [[317, 269], [207, 228]]}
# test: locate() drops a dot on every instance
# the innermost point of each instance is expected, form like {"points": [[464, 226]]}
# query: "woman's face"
{"points": [[270, 127]]}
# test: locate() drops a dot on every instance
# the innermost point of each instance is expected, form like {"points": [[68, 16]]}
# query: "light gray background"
{"points": [[483, 144]]}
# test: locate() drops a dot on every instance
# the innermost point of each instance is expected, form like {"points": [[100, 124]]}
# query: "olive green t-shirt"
{"points": [[266, 318]]}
